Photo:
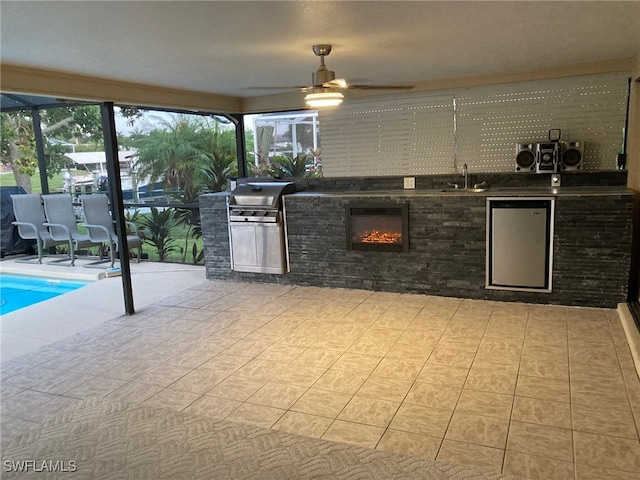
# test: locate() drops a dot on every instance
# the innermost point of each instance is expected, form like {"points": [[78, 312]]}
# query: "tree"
{"points": [[74, 124], [168, 153], [185, 152], [290, 166], [221, 159]]}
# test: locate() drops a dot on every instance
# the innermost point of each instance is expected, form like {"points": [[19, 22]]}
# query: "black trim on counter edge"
{"points": [[633, 286], [634, 308]]}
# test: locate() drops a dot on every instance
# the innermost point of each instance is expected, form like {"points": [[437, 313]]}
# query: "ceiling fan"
{"points": [[326, 88], [324, 78]]}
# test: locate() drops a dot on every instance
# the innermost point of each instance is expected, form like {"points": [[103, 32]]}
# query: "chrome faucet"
{"points": [[465, 175]]}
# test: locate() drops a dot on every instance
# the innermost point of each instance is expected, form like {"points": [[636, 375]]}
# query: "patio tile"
{"points": [[384, 388], [176, 400], [543, 388], [604, 421], [200, 380], [259, 415], [537, 468], [540, 440], [607, 452], [485, 404], [354, 433], [236, 388], [479, 430], [485, 458], [370, 411], [277, 395], [213, 407], [315, 375], [96, 387], [434, 396], [162, 376], [341, 381], [134, 392], [422, 420], [354, 362], [492, 378], [407, 443], [542, 412], [443, 375], [321, 402], [303, 424], [590, 472]]}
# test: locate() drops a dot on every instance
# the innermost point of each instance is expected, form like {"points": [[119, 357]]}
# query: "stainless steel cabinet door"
{"points": [[258, 247], [243, 240], [269, 248]]}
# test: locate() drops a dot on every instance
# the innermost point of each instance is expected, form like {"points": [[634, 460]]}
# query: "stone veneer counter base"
{"points": [[447, 245]]}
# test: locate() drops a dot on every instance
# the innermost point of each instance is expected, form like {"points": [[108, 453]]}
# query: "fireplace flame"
{"points": [[376, 236]]}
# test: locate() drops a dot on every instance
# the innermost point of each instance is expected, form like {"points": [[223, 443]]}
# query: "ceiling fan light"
{"points": [[324, 99]]}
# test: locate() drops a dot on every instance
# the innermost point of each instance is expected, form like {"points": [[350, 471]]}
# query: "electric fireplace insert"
{"points": [[377, 227]]}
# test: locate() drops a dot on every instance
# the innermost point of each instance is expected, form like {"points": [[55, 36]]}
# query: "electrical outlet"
{"points": [[409, 183]]}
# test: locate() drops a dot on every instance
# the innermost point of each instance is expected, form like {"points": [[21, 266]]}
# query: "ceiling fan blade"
{"points": [[381, 87], [298, 88], [336, 83]]}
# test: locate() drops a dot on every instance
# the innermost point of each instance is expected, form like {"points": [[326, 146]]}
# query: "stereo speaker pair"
{"points": [[549, 157]]}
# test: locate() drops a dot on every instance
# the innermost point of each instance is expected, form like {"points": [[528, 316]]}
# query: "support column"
{"points": [[241, 147], [117, 203], [42, 160]]}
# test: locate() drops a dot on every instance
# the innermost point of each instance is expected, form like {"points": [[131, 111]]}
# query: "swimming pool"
{"points": [[19, 291]]}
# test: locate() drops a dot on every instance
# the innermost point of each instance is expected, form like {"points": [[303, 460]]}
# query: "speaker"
{"points": [[571, 156], [547, 157], [525, 157]]}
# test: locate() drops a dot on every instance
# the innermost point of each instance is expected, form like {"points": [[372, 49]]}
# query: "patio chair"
{"points": [[62, 225], [30, 221], [101, 227]]}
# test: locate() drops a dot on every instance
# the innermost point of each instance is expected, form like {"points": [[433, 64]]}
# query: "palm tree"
{"points": [[187, 153], [171, 153], [220, 158]]}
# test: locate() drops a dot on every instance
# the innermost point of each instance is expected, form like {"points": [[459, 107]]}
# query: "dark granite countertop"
{"points": [[490, 192]]}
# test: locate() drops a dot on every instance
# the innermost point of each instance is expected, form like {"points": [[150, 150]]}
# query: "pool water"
{"points": [[18, 291]]}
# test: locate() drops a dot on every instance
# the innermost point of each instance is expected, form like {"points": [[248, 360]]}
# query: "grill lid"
{"points": [[260, 194]]}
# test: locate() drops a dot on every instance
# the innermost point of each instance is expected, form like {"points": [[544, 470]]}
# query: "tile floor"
{"points": [[543, 392]]}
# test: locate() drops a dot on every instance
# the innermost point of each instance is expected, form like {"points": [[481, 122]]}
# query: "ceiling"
{"points": [[231, 48]]}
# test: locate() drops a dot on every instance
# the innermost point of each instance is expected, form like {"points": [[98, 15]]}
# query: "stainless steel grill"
{"points": [[257, 232]]}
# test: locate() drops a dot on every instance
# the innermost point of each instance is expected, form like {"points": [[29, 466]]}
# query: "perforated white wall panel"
{"points": [[421, 133], [388, 135]]}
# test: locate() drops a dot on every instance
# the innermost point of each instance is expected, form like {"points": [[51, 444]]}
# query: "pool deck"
{"points": [[24, 330]]}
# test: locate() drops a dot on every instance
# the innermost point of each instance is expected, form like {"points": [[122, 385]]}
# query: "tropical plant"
{"points": [[169, 154], [186, 152], [190, 217], [220, 158], [217, 171], [290, 166], [157, 227]]}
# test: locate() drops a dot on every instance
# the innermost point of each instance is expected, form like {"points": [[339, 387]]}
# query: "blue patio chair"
{"points": [[101, 227], [30, 221], [62, 224]]}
